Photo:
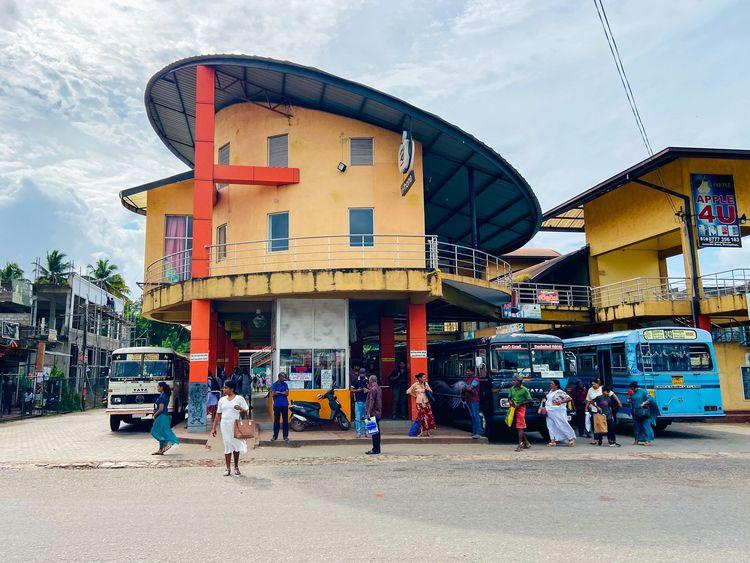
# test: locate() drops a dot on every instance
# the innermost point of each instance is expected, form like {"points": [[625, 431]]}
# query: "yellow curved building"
{"points": [[317, 214]]}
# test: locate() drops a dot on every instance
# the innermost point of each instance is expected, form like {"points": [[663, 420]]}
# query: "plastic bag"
{"points": [[510, 416], [414, 430], [588, 421], [371, 426]]}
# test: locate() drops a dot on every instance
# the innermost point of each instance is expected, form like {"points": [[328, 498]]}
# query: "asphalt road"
{"points": [[397, 509]]}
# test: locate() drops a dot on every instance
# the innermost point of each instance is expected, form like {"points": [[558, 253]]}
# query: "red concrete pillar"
{"points": [[201, 344], [416, 346], [203, 190], [387, 349], [704, 322]]}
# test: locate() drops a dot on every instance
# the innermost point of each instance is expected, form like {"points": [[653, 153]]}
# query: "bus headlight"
{"points": [[505, 403], [116, 400]]}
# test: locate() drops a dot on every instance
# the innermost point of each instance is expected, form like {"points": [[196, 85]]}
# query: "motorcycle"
{"points": [[307, 413]]}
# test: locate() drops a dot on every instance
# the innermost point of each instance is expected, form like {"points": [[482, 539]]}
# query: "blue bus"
{"points": [[676, 365], [538, 358]]}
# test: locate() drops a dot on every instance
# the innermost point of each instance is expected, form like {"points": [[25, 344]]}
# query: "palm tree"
{"points": [[56, 270], [104, 275], [11, 271]]}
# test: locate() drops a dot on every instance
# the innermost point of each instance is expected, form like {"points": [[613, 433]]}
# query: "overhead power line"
{"points": [[601, 12]]}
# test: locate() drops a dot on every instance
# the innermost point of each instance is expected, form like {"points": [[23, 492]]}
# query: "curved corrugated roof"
{"points": [[508, 212]]}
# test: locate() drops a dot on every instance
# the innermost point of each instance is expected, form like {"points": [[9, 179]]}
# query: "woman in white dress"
{"points": [[556, 407], [229, 409]]}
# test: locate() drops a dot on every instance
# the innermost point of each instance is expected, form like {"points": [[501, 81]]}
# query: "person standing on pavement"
{"points": [[280, 394], [231, 407], [360, 402], [555, 407], [644, 411], [374, 408], [161, 429], [397, 381], [603, 404], [519, 397], [419, 390], [471, 396], [594, 391], [578, 394], [7, 397]]}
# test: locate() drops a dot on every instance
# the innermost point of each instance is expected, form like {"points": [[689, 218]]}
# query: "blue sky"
{"points": [[533, 79]]}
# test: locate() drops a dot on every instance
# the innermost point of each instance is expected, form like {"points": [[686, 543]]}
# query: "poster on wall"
{"points": [[522, 311], [715, 204]]}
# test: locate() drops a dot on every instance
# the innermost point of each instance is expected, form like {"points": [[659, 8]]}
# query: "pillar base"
{"points": [[197, 407]]}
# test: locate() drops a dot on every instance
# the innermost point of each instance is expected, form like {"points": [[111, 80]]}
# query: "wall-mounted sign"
{"points": [[52, 335], [418, 353], [408, 183], [522, 311], [405, 153], [548, 296], [715, 204], [201, 357], [232, 326]]}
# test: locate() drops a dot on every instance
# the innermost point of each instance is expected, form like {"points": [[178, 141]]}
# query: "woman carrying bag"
{"points": [[229, 409], [422, 392]]}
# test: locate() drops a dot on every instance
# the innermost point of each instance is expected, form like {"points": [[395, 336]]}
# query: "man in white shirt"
{"points": [[594, 391]]}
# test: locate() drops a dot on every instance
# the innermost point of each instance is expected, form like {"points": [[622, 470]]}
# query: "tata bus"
{"points": [[537, 358], [133, 377], [675, 365]]}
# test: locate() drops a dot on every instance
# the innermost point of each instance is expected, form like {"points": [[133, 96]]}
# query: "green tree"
{"points": [[56, 270], [105, 276], [156, 333], [11, 271]]}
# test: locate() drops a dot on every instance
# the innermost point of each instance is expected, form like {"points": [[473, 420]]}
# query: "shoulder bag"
{"points": [[244, 429]]}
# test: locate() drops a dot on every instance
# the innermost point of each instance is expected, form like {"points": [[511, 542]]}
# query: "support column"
{"points": [[200, 345], [203, 187], [416, 346], [387, 349], [704, 322]]}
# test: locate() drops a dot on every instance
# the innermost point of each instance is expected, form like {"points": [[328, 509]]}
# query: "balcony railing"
{"points": [[638, 290], [335, 252], [553, 295], [730, 282]]}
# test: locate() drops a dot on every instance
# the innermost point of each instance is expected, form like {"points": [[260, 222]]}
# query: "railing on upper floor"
{"points": [[375, 251], [553, 295], [729, 282], [639, 290]]}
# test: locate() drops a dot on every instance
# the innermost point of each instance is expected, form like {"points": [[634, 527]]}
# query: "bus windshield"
{"points": [[547, 359], [511, 359], [675, 357], [156, 369], [125, 369]]}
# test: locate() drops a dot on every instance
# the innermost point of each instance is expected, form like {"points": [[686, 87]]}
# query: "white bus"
{"points": [[133, 377]]}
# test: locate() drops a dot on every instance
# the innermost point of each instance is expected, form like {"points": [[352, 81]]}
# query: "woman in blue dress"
{"points": [[644, 411], [162, 429]]}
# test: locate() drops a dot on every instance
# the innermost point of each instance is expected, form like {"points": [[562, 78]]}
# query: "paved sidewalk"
{"points": [[85, 439]]}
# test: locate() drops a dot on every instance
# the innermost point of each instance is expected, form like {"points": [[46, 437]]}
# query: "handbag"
{"points": [[414, 430], [641, 413], [600, 424], [371, 426], [244, 429]]}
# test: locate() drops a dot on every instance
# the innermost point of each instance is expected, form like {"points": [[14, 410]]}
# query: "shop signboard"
{"points": [[326, 378], [548, 296], [715, 204], [522, 311]]}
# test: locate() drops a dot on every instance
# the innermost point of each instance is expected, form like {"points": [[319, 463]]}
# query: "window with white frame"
{"points": [[278, 231], [361, 225]]}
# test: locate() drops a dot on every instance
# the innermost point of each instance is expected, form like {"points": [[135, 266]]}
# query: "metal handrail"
{"points": [[557, 295], [638, 290], [366, 251], [728, 282]]}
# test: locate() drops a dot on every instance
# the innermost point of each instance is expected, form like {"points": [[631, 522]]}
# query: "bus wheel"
{"points": [[114, 423], [661, 425]]}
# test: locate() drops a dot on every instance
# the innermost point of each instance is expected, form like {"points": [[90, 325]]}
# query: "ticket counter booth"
{"points": [[311, 346]]}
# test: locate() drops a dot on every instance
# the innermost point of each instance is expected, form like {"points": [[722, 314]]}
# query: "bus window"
{"points": [[512, 358], [587, 364], [619, 362], [677, 357], [481, 360]]}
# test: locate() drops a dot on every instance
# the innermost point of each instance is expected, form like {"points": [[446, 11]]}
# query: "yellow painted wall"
{"points": [[319, 204], [627, 264], [174, 199], [729, 357]]}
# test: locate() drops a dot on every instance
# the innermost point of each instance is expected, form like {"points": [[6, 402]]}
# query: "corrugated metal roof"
{"points": [[509, 214]]}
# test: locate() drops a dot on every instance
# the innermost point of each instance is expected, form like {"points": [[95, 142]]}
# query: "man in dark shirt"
{"points": [[359, 386], [578, 394], [374, 409], [603, 404], [398, 381], [280, 393]]}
